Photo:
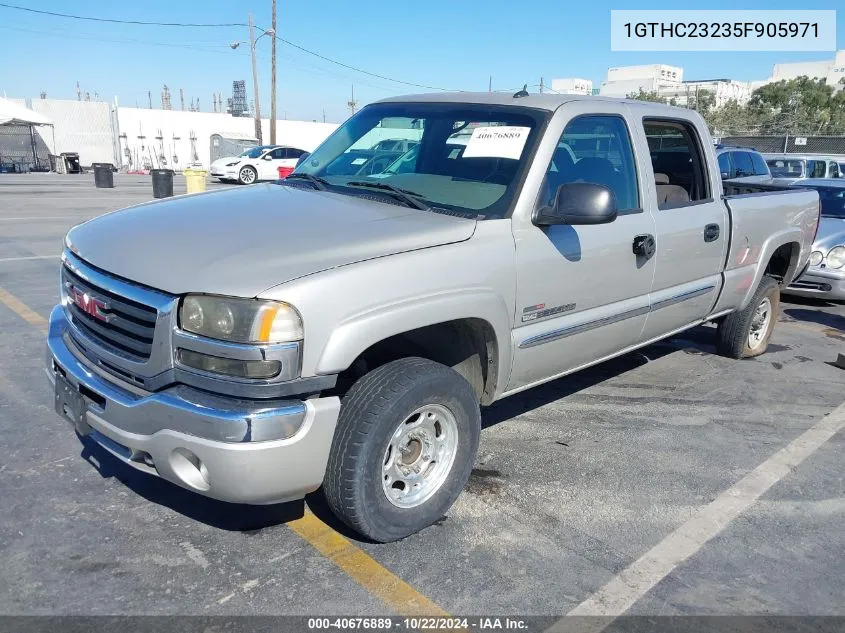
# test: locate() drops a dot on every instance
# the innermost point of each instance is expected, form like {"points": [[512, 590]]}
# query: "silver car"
{"points": [[825, 277], [787, 168]]}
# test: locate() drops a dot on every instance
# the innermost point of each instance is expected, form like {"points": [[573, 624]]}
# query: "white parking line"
{"points": [[22, 259], [623, 591]]}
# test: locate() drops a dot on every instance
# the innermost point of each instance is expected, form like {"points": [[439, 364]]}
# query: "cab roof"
{"points": [[545, 101]]}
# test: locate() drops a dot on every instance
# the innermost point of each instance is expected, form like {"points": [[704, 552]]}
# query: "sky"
{"points": [[443, 44]]}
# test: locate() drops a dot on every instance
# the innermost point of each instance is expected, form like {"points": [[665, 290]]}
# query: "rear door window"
{"points": [[743, 164], [834, 170], [816, 168], [680, 173], [760, 167]]}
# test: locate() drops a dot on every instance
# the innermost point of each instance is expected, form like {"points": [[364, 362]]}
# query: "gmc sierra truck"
{"points": [[343, 330]]}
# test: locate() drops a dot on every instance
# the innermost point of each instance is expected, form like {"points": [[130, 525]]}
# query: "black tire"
{"points": [[247, 175], [370, 413], [734, 331]]}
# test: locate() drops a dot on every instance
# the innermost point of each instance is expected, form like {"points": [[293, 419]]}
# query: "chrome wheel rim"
{"points": [[247, 176], [760, 324], [419, 456]]}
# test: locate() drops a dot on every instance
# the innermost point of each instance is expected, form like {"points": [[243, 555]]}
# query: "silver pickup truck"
{"points": [[343, 330]]}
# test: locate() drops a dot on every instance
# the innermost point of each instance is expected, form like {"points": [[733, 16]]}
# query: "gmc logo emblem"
{"points": [[89, 305]]}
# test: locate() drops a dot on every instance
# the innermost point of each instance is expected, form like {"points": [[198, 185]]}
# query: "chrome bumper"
{"points": [[242, 451], [819, 283]]}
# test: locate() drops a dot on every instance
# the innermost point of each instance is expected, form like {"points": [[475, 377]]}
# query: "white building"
{"points": [[831, 70], [626, 80], [723, 90], [572, 86], [668, 82]]}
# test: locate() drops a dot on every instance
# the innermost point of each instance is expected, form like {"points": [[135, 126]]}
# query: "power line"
{"points": [[114, 21], [231, 24], [359, 70]]}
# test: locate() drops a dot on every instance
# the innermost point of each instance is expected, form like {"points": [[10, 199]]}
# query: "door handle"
{"points": [[711, 232], [644, 245]]}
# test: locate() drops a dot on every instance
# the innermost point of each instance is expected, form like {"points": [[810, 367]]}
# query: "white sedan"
{"points": [[265, 162]]}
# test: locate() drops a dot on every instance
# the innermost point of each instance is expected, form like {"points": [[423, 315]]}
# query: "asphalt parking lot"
{"points": [[575, 482]]}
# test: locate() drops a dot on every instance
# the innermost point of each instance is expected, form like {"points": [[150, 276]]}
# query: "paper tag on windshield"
{"points": [[503, 141], [359, 161]]}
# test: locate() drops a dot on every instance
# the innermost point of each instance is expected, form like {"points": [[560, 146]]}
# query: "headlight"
{"points": [[240, 320], [232, 164], [816, 258], [836, 257]]}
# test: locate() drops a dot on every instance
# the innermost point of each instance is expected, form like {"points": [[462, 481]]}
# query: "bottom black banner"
{"points": [[524, 624]]}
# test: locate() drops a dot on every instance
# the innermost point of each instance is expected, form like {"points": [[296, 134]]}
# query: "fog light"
{"points": [[229, 366]]}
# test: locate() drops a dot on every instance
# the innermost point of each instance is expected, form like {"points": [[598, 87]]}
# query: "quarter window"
{"points": [[595, 149], [816, 168]]}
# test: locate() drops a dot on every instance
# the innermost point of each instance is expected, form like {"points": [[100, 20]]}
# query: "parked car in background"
{"points": [[400, 145], [257, 163], [825, 277], [743, 164], [787, 168], [551, 239]]}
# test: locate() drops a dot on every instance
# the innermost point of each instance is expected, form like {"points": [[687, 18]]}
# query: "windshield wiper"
{"points": [[411, 198], [319, 183]]}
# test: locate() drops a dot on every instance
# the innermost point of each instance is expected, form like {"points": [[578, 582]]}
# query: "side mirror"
{"points": [[267, 157], [579, 203], [724, 175], [302, 158]]}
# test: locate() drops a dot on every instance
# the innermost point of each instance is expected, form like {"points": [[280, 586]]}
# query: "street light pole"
{"points": [[257, 110], [273, 81]]}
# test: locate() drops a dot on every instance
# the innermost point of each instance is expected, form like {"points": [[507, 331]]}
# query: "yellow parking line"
{"points": [[357, 564], [22, 310], [380, 582]]}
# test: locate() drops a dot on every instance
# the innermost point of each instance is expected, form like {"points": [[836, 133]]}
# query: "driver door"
{"points": [[582, 293]]}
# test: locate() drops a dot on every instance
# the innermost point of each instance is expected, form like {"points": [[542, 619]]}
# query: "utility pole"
{"points": [[541, 85], [490, 84], [150, 99], [257, 109], [324, 115], [273, 81], [182, 98], [352, 103]]}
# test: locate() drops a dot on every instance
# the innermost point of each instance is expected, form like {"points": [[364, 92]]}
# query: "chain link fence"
{"points": [[22, 149], [788, 143]]}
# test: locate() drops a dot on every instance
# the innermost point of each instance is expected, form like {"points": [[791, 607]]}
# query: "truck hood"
{"points": [[242, 241]]}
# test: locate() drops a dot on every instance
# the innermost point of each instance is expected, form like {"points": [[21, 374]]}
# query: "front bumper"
{"points": [[820, 284], [241, 451]]}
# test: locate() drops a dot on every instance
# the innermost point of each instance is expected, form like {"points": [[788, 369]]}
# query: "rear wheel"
{"points": [[746, 333], [247, 175], [404, 447]]}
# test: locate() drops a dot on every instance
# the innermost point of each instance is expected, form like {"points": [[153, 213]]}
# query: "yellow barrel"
{"points": [[195, 180]]}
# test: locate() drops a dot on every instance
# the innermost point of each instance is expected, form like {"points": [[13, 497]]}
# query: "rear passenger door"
{"points": [[691, 223]]}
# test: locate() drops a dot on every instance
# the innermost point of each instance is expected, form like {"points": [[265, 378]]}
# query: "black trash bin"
{"points": [[103, 175], [162, 183]]}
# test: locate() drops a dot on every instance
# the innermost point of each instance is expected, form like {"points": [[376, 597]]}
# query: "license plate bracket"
{"points": [[70, 404]]}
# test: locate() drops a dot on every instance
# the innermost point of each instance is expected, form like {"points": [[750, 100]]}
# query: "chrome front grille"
{"points": [[122, 325]]}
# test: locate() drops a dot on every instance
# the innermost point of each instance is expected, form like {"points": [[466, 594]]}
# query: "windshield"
{"points": [[832, 201], [253, 152], [786, 168], [460, 157]]}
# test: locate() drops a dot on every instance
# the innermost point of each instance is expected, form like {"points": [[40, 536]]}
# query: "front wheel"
{"points": [[247, 175], [746, 333], [405, 444]]}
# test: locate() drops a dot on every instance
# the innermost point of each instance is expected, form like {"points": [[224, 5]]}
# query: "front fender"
{"points": [[359, 332]]}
